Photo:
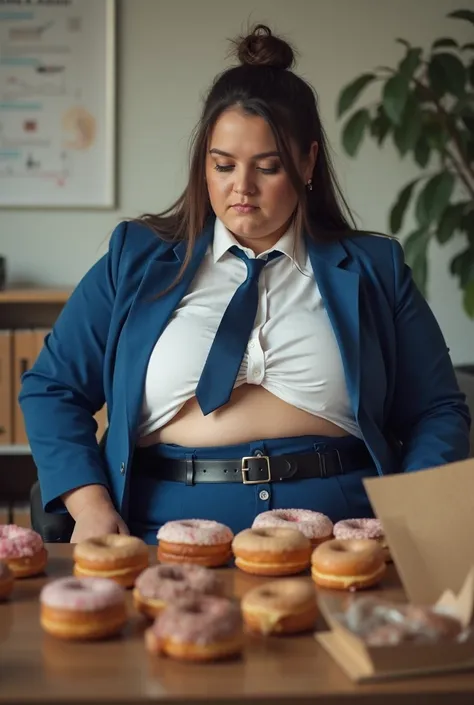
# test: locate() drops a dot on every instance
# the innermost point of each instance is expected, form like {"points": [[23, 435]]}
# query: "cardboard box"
{"points": [[428, 519], [6, 392]]}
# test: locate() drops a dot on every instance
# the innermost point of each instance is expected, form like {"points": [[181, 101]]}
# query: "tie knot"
{"points": [[254, 265]]}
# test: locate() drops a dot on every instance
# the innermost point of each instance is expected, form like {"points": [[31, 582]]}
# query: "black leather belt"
{"points": [[255, 469]]}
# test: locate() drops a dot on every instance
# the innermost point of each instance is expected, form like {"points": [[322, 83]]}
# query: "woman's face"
{"points": [[249, 189]]}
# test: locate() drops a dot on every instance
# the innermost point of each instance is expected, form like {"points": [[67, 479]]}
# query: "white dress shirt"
{"points": [[292, 351]]}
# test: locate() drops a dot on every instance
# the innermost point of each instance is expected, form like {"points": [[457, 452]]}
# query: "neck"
{"points": [[262, 244]]}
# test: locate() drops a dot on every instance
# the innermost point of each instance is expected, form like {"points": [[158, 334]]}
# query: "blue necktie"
{"points": [[228, 348]]}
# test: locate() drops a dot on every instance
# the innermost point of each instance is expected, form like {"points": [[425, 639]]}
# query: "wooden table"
{"points": [[36, 668]]}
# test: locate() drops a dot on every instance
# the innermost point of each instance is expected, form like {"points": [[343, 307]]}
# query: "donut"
{"points": [[82, 608], [272, 551], [362, 529], [200, 541], [350, 564], [382, 623], [159, 585], [6, 581], [200, 628], [22, 550], [284, 606], [315, 526], [120, 558]]}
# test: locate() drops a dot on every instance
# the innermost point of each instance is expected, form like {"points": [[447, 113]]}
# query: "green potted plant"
{"points": [[426, 106]]}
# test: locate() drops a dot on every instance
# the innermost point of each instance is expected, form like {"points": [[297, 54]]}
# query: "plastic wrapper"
{"points": [[381, 623]]}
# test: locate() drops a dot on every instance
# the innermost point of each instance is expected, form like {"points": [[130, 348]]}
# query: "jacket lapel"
{"points": [[340, 293], [150, 313]]}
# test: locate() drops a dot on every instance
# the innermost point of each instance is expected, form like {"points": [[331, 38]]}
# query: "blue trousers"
{"points": [[154, 502]]}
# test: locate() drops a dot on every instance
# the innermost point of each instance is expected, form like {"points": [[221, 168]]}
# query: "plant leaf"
{"points": [[470, 45], [435, 134], [445, 42], [415, 247], [394, 97], [407, 133], [462, 266], [447, 74], [401, 204], [462, 15], [410, 63], [434, 198], [380, 126], [422, 152], [404, 42], [354, 130], [468, 299], [351, 92], [449, 222]]}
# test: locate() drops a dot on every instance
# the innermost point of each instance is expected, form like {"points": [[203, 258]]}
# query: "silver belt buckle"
{"points": [[245, 469]]}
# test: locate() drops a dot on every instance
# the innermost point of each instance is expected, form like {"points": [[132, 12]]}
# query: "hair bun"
{"points": [[262, 48]]}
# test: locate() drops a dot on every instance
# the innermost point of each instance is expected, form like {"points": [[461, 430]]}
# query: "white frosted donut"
{"points": [[314, 525], [82, 594]]}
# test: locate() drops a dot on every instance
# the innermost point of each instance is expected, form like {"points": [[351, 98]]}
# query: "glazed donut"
{"points": [[362, 529], [22, 550], [82, 608], [6, 581], [202, 628], [351, 564], [120, 558], [200, 541], [280, 607], [159, 585], [315, 526], [272, 551]]}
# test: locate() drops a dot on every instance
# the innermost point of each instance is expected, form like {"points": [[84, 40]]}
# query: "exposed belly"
{"points": [[252, 413]]}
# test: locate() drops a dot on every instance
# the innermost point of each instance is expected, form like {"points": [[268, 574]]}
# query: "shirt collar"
{"points": [[224, 240]]}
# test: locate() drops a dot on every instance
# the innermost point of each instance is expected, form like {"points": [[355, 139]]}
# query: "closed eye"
{"points": [[268, 170]]}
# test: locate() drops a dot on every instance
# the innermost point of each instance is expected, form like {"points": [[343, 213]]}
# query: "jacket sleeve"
{"points": [[429, 415], [64, 388]]}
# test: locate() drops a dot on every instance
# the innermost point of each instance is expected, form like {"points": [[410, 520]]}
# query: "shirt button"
{"points": [[256, 372], [122, 469], [264, 495], [251, 345]]}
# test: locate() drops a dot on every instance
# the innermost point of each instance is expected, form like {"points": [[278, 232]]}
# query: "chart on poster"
{"points": [[57, 95]]}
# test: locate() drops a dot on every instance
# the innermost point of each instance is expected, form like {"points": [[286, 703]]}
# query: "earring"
{"points": [[309, 184]]}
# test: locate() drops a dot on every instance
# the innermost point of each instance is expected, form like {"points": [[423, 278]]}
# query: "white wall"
{"points": [[168, 53]]}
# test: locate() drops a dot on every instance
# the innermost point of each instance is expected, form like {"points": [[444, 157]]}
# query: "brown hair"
{"points": [[262, 85]]}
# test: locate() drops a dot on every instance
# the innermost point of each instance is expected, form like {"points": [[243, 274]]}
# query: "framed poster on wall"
{"points": [[57, 103]]}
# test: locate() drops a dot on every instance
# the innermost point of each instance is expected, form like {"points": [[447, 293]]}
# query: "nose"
{"points": [[243, 183]]}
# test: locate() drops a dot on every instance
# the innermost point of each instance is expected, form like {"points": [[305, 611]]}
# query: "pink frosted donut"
{"points": [[195, 531], [202, 628], [17, 542], [82, 608], [198, 541], [358, 529], [315, 526], [362, 529], [22, 550], [161, 585]]}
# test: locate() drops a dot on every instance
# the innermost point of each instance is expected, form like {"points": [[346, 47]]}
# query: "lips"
{"points": [[244, 208]]}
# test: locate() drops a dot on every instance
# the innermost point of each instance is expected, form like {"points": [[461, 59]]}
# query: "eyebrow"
{"points": [[262, 155]]}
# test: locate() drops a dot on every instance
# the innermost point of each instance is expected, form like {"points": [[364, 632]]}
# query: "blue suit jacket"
{"points": [[399, 375]]}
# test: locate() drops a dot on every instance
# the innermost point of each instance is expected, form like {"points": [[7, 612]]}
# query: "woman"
{"points": [[254, 350]]}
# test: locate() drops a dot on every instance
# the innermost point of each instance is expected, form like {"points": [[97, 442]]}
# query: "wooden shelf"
{"points": [[35, 296]]}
